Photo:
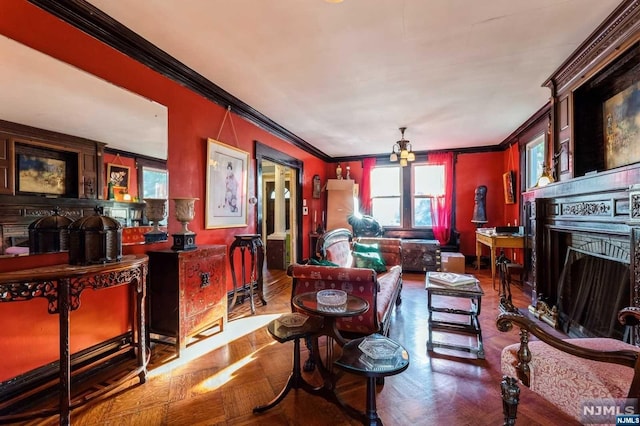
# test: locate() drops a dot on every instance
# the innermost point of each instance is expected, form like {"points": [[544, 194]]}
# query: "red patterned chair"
{"points": [[381, 290], [567, 372]]}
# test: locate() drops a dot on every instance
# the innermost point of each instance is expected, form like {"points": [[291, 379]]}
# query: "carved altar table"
{"points": [[62, 286]]}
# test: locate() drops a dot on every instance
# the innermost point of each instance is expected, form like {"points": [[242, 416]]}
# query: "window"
{"points": [[428, 182], [388, 200], [535, 159], [386, 195]]}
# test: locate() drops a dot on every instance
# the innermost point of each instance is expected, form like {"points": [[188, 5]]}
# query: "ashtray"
{"points": [[380, 348], [332, 300], [292, 320]]}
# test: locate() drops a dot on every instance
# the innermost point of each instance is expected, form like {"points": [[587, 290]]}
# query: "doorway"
{"points": [[279, 183]]}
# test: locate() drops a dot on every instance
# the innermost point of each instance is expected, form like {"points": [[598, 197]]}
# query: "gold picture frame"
{"points": [[227, 181], [508, 182]]}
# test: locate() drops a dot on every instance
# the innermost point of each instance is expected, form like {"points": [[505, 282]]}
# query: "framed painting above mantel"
{"points": [[621, 114]]}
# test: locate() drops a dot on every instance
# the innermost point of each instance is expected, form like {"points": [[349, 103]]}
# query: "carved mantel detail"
{"points": [[598, 208]]}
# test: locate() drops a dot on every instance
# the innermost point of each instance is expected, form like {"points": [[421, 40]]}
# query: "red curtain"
{"points": [[441, 205], [365, 185]]}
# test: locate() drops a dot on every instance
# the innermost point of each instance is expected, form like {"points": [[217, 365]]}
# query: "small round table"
{"points": [[308, 302], [253, 244], [282, 332], [354, 360]]}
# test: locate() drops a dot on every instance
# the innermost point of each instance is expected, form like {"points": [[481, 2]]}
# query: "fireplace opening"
{"points": [[594, 285]]}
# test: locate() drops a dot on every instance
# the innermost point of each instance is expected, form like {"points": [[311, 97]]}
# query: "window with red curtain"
{"points": [[365, 186], [441, 204]]}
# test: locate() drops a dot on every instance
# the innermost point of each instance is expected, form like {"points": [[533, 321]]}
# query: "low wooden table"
{"points": [[353, 360], [474, 293]]}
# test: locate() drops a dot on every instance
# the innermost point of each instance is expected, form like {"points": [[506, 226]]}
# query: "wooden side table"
{"points": [[472, 292], [253, 244]]}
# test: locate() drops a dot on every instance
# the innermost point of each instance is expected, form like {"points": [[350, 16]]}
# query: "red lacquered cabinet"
{"points": [[187, 296]]}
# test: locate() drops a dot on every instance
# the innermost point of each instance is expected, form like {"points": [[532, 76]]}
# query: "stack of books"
{"points": [[452, 279]]}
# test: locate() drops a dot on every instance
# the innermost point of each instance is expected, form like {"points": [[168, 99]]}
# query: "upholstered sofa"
{"points": [[336, 270], [568, 372]]}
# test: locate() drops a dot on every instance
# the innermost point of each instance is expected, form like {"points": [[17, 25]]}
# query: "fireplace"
{"points": [[583, 252], [593, 286]]}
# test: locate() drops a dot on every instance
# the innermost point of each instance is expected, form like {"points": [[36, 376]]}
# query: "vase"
{"points": [[155, 209], [185, 212]]}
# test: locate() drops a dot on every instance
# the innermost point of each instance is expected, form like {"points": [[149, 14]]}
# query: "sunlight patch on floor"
{"points": [[225, 375], [233, 330]]}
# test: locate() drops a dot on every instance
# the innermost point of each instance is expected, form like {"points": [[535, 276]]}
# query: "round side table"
{"points": [[355, 360]]}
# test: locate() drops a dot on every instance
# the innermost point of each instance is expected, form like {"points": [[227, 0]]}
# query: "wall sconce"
{"points": [[545, 178]]}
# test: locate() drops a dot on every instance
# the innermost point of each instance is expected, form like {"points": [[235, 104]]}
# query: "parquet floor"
{"points": [[219, 380]]}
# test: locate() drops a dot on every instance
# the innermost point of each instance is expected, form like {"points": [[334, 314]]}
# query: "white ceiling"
{"points": [[344, 77]]}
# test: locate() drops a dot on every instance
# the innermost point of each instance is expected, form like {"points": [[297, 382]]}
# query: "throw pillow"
{"points": [[321, 262], [366, 248], [369, 260]]}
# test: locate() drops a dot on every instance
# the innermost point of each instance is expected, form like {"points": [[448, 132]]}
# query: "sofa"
{"points": [[336, 269], [568, 372]]}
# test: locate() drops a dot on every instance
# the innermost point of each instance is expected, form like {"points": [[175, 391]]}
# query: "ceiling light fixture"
{"points": [[402, 150]]}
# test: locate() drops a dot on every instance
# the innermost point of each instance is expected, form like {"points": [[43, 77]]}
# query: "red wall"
{"points": [[192, 119], [473, 170]]}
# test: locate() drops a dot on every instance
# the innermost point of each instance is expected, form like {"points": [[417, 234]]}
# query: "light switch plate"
{"points": [[305, 210]]}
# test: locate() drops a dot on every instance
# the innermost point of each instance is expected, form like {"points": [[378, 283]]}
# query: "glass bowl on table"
{"points": [[332, 300]]}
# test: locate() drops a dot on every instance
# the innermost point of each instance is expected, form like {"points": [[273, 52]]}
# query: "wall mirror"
{"points": [[43, 92]]}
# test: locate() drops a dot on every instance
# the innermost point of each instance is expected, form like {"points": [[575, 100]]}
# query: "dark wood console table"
{"points": [[62, 286]]}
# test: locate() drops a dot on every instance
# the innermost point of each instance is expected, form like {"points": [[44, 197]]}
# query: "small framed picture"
{"points": [[508, 181], [316, 186], [118, 175], [564, 156]]}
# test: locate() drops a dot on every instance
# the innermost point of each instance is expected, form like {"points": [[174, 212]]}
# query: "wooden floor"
{"points": [[218, 381]]}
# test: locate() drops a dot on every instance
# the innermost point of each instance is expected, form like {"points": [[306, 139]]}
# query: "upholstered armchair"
{"points": [[567, 372]]}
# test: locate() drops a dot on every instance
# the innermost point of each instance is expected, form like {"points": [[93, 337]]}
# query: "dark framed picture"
{"points": [[508, 181], [118, 175], [316, 186], [564, 156]]}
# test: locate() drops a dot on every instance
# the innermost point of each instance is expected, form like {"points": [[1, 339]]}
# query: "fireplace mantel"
{"points": [[589, 208]]}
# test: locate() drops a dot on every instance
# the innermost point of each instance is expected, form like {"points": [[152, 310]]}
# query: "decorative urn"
{"points": [[156, 210], [185, 212]]}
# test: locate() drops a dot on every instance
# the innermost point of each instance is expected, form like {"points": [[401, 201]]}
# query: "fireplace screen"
{"points": [[594, 286]]}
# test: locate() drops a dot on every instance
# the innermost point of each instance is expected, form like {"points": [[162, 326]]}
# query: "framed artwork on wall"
{"points": [[621, 115], [316, 186], [564, 156], [508, 182], [118, 175], [227, 178]]}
